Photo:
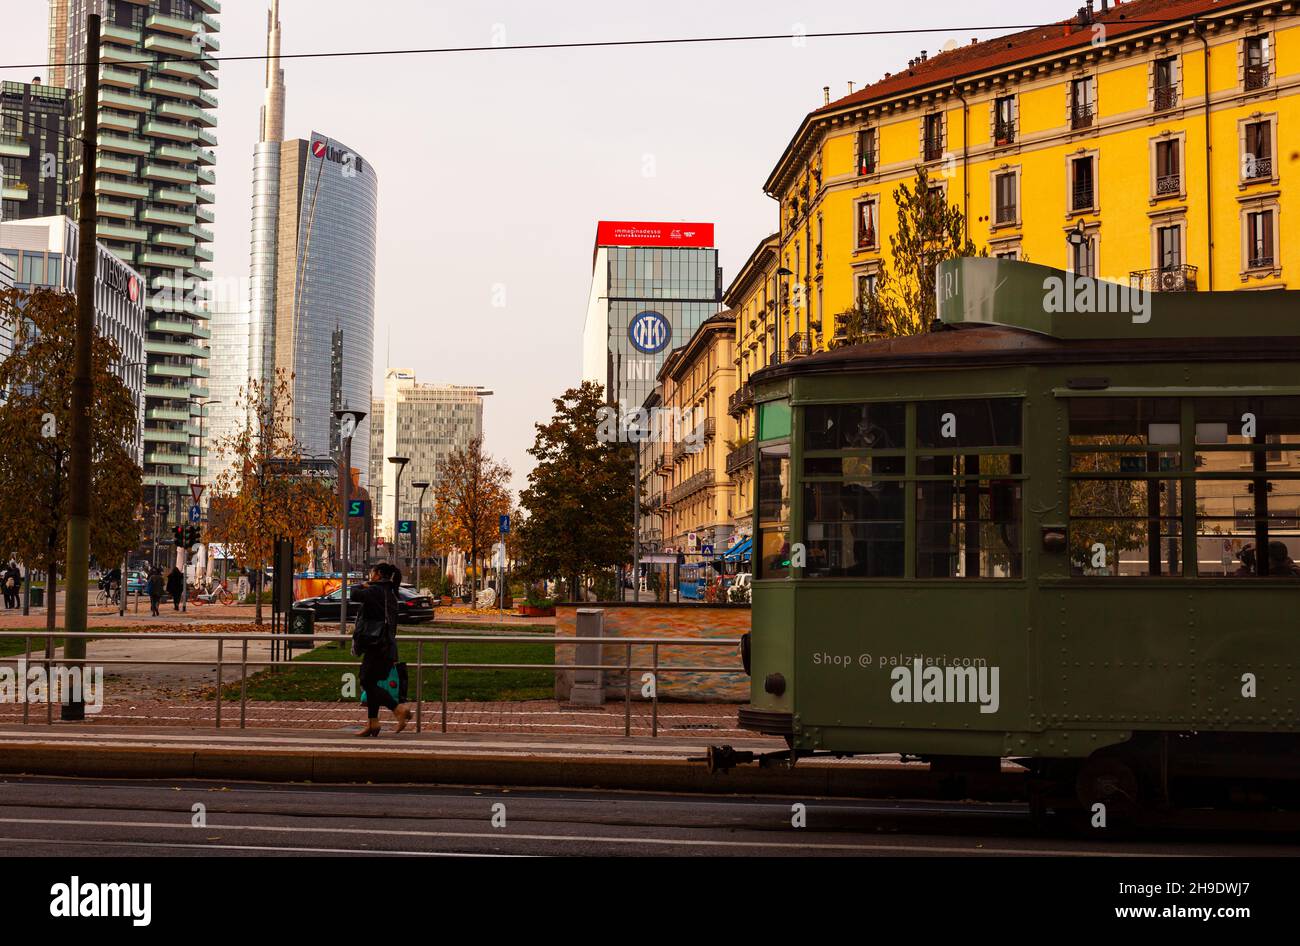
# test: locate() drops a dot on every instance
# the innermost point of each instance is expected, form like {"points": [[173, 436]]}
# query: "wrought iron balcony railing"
{"points": [[1257, 77], [1165, 279], [1165, 97], [1081, 116], [740, 458], [1169, 184], [1082, 197]]}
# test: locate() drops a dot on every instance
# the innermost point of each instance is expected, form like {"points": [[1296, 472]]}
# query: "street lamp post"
{"points": [[419, 525], [400, 462], [348, 420]]}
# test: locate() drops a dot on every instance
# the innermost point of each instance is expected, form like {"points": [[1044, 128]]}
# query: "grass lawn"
{"points": [[325, 683]]}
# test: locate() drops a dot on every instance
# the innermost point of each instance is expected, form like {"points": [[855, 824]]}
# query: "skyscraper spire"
{"points": [[273, 105]]}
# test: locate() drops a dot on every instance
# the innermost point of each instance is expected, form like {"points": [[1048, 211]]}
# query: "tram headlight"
{"points": [[774, 684]]}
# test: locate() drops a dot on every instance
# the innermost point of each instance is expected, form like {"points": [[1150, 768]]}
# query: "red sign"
{"points": [[624, 233], [133, 289], [318, 149]]}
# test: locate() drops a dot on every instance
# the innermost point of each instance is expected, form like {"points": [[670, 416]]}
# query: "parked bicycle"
{"points": [[214, 592]]}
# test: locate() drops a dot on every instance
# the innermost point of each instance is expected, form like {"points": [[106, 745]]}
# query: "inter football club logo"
{"points": [[650, 333]]}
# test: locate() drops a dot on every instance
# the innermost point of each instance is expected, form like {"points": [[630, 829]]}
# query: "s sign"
{"points": [[650, 333]]}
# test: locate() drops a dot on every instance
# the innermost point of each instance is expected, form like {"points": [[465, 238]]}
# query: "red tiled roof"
{"points": [[1125, 18]]}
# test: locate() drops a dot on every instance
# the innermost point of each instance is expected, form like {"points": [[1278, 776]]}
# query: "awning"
{"points": [[738, 552]]}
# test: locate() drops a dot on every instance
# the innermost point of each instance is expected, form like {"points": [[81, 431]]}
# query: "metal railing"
{"points": [[1081, 116], [1164, 279], [1082, 196], [1165, 97], [439, 641], [1004, 133], [1257, 77], [1168, 184]]}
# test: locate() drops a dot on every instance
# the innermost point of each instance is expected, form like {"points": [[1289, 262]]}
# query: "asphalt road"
{"points": [[93, 817]]}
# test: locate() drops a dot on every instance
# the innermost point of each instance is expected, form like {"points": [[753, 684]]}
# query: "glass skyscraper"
{"points": [[652, 286]]}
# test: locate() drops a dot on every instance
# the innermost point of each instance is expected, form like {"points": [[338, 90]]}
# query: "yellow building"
{"points": [[752, 297], [1081, 146], [693, 427]]}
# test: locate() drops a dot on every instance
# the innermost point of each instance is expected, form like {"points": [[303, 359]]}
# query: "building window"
{"points": [[868, 232], [1258, 63], [866, 287], [1083, 257], [1260, 253], [1004, 120], [1165, 89], [1257, 154], [1083, 102], [1169, 180], [1169, 247], [1083, 184], [1006, 206], [933, 144], [867, 151]]}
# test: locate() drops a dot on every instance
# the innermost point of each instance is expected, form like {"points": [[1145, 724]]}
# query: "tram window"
{"points": [[986, 464], [855, 530], [968, 529], [854, 467], [774, 511], [992, 422], [1124, 420], [1122, 462], [1126, 528], [855, 427], [1236, 518]]}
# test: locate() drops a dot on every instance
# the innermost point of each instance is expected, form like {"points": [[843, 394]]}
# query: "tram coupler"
{"points": [[725, 758]]}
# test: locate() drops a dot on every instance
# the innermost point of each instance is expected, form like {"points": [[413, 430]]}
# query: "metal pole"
{"points": [[444, 686], [345, 487], [83, 386], [627, 696], [121, 590], [419, 522], [27, 651], [636, 519], [243, 684], [221, 648], [654, 691], [419, 684]]}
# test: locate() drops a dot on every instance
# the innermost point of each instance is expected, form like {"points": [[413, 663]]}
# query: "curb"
{"points": [[549, 771]]}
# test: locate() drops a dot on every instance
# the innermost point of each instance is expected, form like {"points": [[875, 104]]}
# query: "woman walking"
{"points": [[375, 642], [155, 589], [175, 587]]}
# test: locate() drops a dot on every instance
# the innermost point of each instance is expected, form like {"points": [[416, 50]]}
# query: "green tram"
{"points": [[1060, 528]]}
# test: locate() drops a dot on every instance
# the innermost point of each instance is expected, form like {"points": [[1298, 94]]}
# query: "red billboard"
{"points": [[625, 233]]}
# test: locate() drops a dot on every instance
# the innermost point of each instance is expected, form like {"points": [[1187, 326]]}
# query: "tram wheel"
{"points": [[1109, 782]]}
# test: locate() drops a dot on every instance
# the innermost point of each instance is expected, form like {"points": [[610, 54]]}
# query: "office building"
{"points": [[44, 253], [35, 141], [652, 286], [155, 170], [6, 330], [425, 422]]}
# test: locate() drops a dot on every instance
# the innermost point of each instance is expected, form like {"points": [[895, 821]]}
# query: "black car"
{"points": [[412, 608]]}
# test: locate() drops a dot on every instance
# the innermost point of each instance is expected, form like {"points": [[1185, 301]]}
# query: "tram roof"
{"points": [[1003, 312]]}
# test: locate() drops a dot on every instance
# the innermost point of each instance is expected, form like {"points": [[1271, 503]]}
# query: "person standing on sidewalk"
{"points": [[175, 587], [155, 589], [12, 581], [378, 600]]}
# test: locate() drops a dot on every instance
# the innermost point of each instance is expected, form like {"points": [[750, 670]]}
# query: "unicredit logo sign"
{"points": [[321, 149]]}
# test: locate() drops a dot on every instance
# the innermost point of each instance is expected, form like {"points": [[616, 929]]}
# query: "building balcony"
{"points": [[200, 272], [119, 78], [739, 459], [179, 111], [207, 175], [740, 400], [120, 35], [181, 90], [117, 187], [203, 234], [14, 146], [710, 428], [169, 392], [134, 58], [170, 130], [1081, 197], [167, 413], [113, 231], [175, 25], [1262, 261], [1082, 116], [1164, 279], [181, 154], [124, 253], [207, 99], [176, 327], [170, 46], [210, 23], [206, 137], [208, 80], [205, 214], [1169, 185], [1257, 77], [1257, 168], [208, 6], [174, 348], [1164, 98], [181, 197], [200, 371], [126, 101], [162, 214], [118, 121], [799, 344], [700, 481], [163, 172], [121, 144], [153, 257], [16, 191], [206, 157], [165, 458], [165, 370], [174, 240], [183, 69], [108, 164], [120, 209], [1004, 133], [933, 149]]}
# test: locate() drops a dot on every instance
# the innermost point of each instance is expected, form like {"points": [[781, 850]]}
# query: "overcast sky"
{"points": [[495, 166]]}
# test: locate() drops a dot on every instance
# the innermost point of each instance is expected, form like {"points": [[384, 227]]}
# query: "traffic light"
{"points": [[191, 536], [180, 537]]}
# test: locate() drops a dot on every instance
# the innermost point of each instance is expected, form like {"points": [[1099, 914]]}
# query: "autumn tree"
{"points": [[262, 489], [930, 231], [578, 496], [472, 494], [36, 439]]}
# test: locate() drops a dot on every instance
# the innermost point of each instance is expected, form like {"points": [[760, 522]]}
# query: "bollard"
{"points": [[588, 685]]}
